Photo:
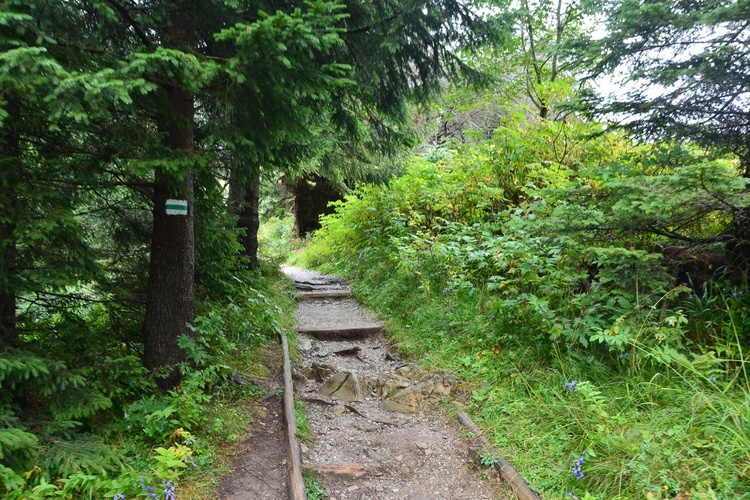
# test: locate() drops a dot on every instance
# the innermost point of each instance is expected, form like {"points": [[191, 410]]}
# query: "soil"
{"points": [[259, 472], [359, 449]]}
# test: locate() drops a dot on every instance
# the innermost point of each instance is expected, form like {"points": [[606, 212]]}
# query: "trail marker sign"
{"points": [[177, 207]]}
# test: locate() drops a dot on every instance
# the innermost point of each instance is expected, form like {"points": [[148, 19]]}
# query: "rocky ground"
{"points": [[378, 425], [378, 429]]}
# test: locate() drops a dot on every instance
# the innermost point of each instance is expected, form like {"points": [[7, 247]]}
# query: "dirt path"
{"points": [[377, 434], [259, 471]]}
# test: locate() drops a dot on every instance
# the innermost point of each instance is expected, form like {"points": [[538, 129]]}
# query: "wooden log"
{"points": [[507, 472], [354, 333], [350, 471], [296, 484]]}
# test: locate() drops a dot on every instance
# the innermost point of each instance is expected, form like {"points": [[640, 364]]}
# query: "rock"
{"points": [[393, 384], [305, 343], [422, 445], [320, 371], [408, 392], [406, 401], [338, 409], [371, 454], [346, 386], [410, 400]]}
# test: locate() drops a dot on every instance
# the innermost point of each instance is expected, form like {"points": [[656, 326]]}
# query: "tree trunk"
{"points": [[244, 199], [171, 286], [249, 219], [9, 172], [312, 195]]}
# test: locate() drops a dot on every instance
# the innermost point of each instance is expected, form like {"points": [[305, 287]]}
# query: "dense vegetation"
{"points": [[591, 286], [587, 279], [535, 265], [134, 137]]}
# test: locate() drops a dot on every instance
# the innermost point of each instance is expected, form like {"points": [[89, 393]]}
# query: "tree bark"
{"points": [[171, 282], [244, 200], [249, 219], [9, 172], [312, 196]]}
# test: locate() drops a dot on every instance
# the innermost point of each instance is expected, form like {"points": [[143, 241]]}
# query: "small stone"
{"points": [[338, 409], [371, 454], [353, 488], [304, 448], [422, 445], [399, 457]]}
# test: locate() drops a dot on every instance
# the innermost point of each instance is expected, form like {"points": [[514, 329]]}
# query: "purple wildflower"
{"points": [[571, 385], [169, 488], [577, 472]]}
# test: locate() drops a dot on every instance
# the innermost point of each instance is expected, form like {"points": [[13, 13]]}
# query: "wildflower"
{"points": [[492, 316], [445, 291], [190, 441], [712, 379], [189, 461], [119, 496], [571, 385], [737, 293], [169, 488], [624, 355], [577, 472]]}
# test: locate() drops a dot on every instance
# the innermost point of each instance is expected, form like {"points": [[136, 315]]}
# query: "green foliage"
{"points": [[687, 54], [537, 277], [314, 488]]}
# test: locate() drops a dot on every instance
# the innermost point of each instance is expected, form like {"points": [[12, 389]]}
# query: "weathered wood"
{"points": [[296, 484], [353, 333], [350, 471], [507, 472]]}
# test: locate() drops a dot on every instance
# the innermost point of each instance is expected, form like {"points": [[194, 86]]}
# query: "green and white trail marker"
{"points": [[177, 207]]}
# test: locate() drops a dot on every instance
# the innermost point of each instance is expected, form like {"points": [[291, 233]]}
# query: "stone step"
{"points": [[354, 333], [324, 294]]}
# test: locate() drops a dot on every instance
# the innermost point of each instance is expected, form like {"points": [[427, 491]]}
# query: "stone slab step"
{"points": [[329, 294], [360, 332]]}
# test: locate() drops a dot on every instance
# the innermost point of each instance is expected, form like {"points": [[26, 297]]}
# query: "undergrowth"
{"points": [[532, 278], [112, 435]]}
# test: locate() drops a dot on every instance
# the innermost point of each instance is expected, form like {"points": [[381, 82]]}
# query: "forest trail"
{"points": [[377, 430]]}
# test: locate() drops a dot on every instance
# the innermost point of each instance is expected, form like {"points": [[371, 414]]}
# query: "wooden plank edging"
{"points": [[296, 484], [507, 472]]}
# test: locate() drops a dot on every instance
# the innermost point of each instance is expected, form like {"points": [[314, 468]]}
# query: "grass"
{"points": [[650, 427]]}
